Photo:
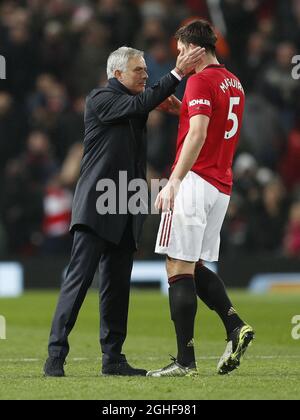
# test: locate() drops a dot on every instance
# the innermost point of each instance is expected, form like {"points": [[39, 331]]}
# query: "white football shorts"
{"points": [[192, 230]]}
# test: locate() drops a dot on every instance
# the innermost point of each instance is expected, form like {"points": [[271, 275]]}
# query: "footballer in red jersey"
{"points": [[219, 95], [195, 201]]}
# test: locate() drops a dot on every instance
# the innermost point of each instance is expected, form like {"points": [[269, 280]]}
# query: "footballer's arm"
{"points": [[190, 151]]}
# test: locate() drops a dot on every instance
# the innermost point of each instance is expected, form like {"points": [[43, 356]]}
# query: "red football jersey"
{"points": [[217, 93]]}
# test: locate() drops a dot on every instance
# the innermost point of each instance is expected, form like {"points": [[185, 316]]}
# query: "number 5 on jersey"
{"points": [[233, 117]]}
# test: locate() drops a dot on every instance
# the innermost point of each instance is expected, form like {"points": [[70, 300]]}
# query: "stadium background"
{"points": [[56, 52]]}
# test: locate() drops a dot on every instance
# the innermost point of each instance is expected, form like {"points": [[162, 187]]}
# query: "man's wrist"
{"points": [[174, 179], [178, 73]]}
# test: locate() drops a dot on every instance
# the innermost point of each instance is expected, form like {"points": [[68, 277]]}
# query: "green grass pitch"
{"points": [[271, 369]]}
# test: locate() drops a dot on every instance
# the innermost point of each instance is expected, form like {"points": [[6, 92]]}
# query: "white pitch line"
{"points": [[85, 359]]}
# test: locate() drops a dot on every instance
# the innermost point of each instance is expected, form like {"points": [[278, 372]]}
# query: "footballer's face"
{"points": [[135, 76], [185, 48]]}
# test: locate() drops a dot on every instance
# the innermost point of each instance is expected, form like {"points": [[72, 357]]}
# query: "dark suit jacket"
{"points": [[115, 140]]}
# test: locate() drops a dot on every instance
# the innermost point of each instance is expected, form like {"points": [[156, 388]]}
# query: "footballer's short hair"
{"points": [[118, 60], [199, 32]]}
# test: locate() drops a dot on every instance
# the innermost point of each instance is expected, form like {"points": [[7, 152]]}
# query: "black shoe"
{"points": [[54, 367], [121, 368], [238, 342]]}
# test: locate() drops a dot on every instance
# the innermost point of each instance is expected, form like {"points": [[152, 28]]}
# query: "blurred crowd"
{"points": [[56, 52]]}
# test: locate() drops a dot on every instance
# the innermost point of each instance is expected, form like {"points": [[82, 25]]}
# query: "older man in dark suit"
{"points": [[115, 141]]}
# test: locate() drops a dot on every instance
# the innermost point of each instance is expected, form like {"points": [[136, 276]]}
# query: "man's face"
{"points": [[185, 48], [135, 77]]}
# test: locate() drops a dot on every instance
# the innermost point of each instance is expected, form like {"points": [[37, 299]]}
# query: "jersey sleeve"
{"points": [[199, 97]]}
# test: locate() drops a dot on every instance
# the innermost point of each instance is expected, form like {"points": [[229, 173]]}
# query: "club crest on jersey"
{"points": [[199, 102]]}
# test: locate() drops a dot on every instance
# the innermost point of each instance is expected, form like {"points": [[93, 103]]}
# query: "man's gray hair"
{"points": [[118, 60]]}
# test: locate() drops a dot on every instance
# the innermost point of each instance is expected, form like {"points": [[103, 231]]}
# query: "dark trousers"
{"points": [[115, 266]]}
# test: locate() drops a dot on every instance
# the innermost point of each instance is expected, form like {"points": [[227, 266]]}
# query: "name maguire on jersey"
{"points": [[234, 83]]}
